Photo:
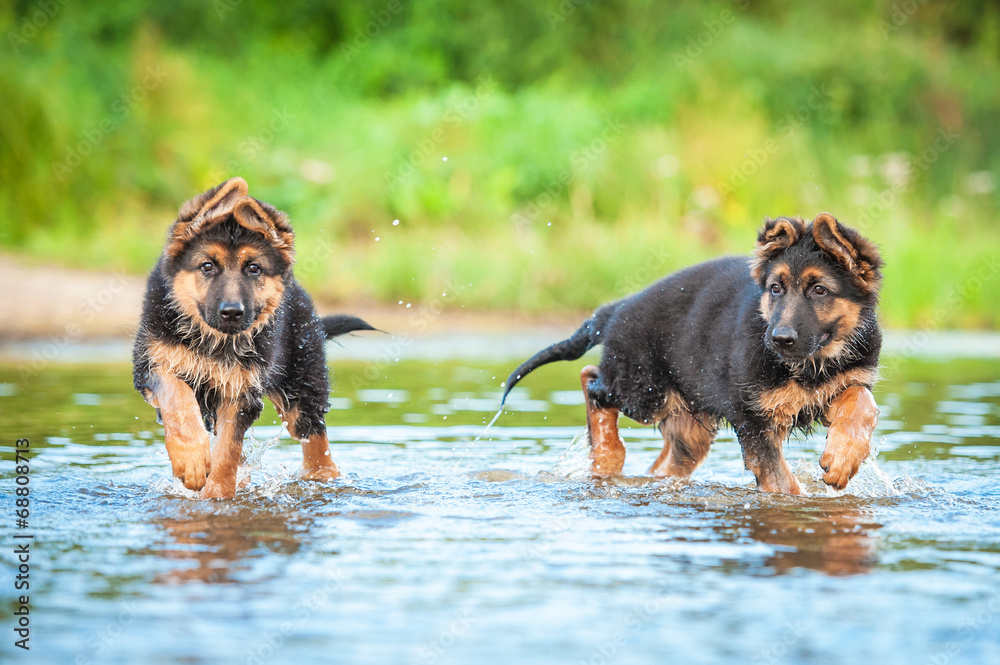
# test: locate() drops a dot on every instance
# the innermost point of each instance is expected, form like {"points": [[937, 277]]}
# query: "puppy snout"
{"points": [[784, 337], [231, 312]]}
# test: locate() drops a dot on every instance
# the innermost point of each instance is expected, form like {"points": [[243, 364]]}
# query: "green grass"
{"points": [[582, 161]]}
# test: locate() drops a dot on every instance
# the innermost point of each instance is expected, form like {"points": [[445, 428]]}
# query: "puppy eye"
{"points": [[253, 269], [776, 289], [208, 267], [820, 290]]}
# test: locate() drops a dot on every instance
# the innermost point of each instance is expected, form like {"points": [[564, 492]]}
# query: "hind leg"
{"points": [[607, 450], [308, 426], [687, 438]]}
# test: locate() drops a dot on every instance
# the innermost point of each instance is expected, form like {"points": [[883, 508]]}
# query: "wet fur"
{"points": [[692, 350], [277, 352]]}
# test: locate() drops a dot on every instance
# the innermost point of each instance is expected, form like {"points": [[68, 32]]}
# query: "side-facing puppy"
{"points": [[225, 323], [768, 344]]}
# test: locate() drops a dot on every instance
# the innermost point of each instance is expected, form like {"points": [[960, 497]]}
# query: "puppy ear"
{"points": [[267, 220], [857, 255], [776, 236], [207, 206]]}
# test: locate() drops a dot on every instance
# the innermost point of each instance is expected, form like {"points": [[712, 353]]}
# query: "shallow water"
{"points": [[432, 549]]}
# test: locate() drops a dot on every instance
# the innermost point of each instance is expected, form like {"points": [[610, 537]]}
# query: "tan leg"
{"points": [[607, 450], [317, 463], [687, 438], [226, 454], [852, 416], [186, 437]]}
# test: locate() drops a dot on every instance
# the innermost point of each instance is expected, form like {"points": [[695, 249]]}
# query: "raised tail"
{"points": [[578, 344], [341, 324]]}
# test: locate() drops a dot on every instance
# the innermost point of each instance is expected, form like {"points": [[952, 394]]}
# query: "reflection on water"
{"points": [[216, 547], [435, 547], [837, 540]]}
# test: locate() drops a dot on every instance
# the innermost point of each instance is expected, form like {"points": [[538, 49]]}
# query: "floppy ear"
{"points": [[194, 214], [272, 223], [857, 255], [776, 236]]}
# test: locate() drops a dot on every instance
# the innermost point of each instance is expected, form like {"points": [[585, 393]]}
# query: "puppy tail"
{"points": [[341, 324], [584, 339]]}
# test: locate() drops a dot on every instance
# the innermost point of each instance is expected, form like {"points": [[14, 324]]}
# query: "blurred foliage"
{"points": [[537, 156]]}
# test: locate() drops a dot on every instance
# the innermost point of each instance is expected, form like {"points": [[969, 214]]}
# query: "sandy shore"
{"points": [[52, 313], [48, 301]]}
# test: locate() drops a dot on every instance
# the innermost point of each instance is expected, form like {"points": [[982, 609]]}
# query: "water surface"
{"points": [[434, 549]]}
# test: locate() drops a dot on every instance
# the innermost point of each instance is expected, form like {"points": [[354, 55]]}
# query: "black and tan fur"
{"points": [[768, 344], [224, 323]]}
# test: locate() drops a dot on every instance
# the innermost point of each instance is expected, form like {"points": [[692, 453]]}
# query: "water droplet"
{"points": [[395, 222]]}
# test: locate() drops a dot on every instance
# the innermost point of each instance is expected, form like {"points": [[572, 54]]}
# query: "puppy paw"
{"points": [[324, 473], [191, 461], [780, 481], [216, 490], [843, 457]]}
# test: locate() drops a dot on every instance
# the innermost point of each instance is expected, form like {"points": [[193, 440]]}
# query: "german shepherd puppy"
{"points": [[224, 323], [768, 344]]}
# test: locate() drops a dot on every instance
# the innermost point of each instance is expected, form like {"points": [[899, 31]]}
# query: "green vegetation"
{"points": [[537, 156]]}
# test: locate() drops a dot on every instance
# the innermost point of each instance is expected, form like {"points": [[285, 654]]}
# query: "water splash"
{"points": [[492, 422], [253, 454], [871, 481], [574, 463]]}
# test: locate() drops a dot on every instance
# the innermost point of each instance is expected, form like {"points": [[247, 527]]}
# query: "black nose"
{"points": [[784, 337], [231, 311]]}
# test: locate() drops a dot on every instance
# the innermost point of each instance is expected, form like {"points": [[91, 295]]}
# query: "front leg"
{"points": [[852, 417], [233, 418], [185, 435], [763, 457]]}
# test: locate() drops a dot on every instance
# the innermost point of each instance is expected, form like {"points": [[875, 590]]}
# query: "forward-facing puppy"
{"points": [[225, 323], [768, 344]]}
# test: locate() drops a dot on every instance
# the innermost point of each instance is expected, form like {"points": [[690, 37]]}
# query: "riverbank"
{"points": [[58, 314]]}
